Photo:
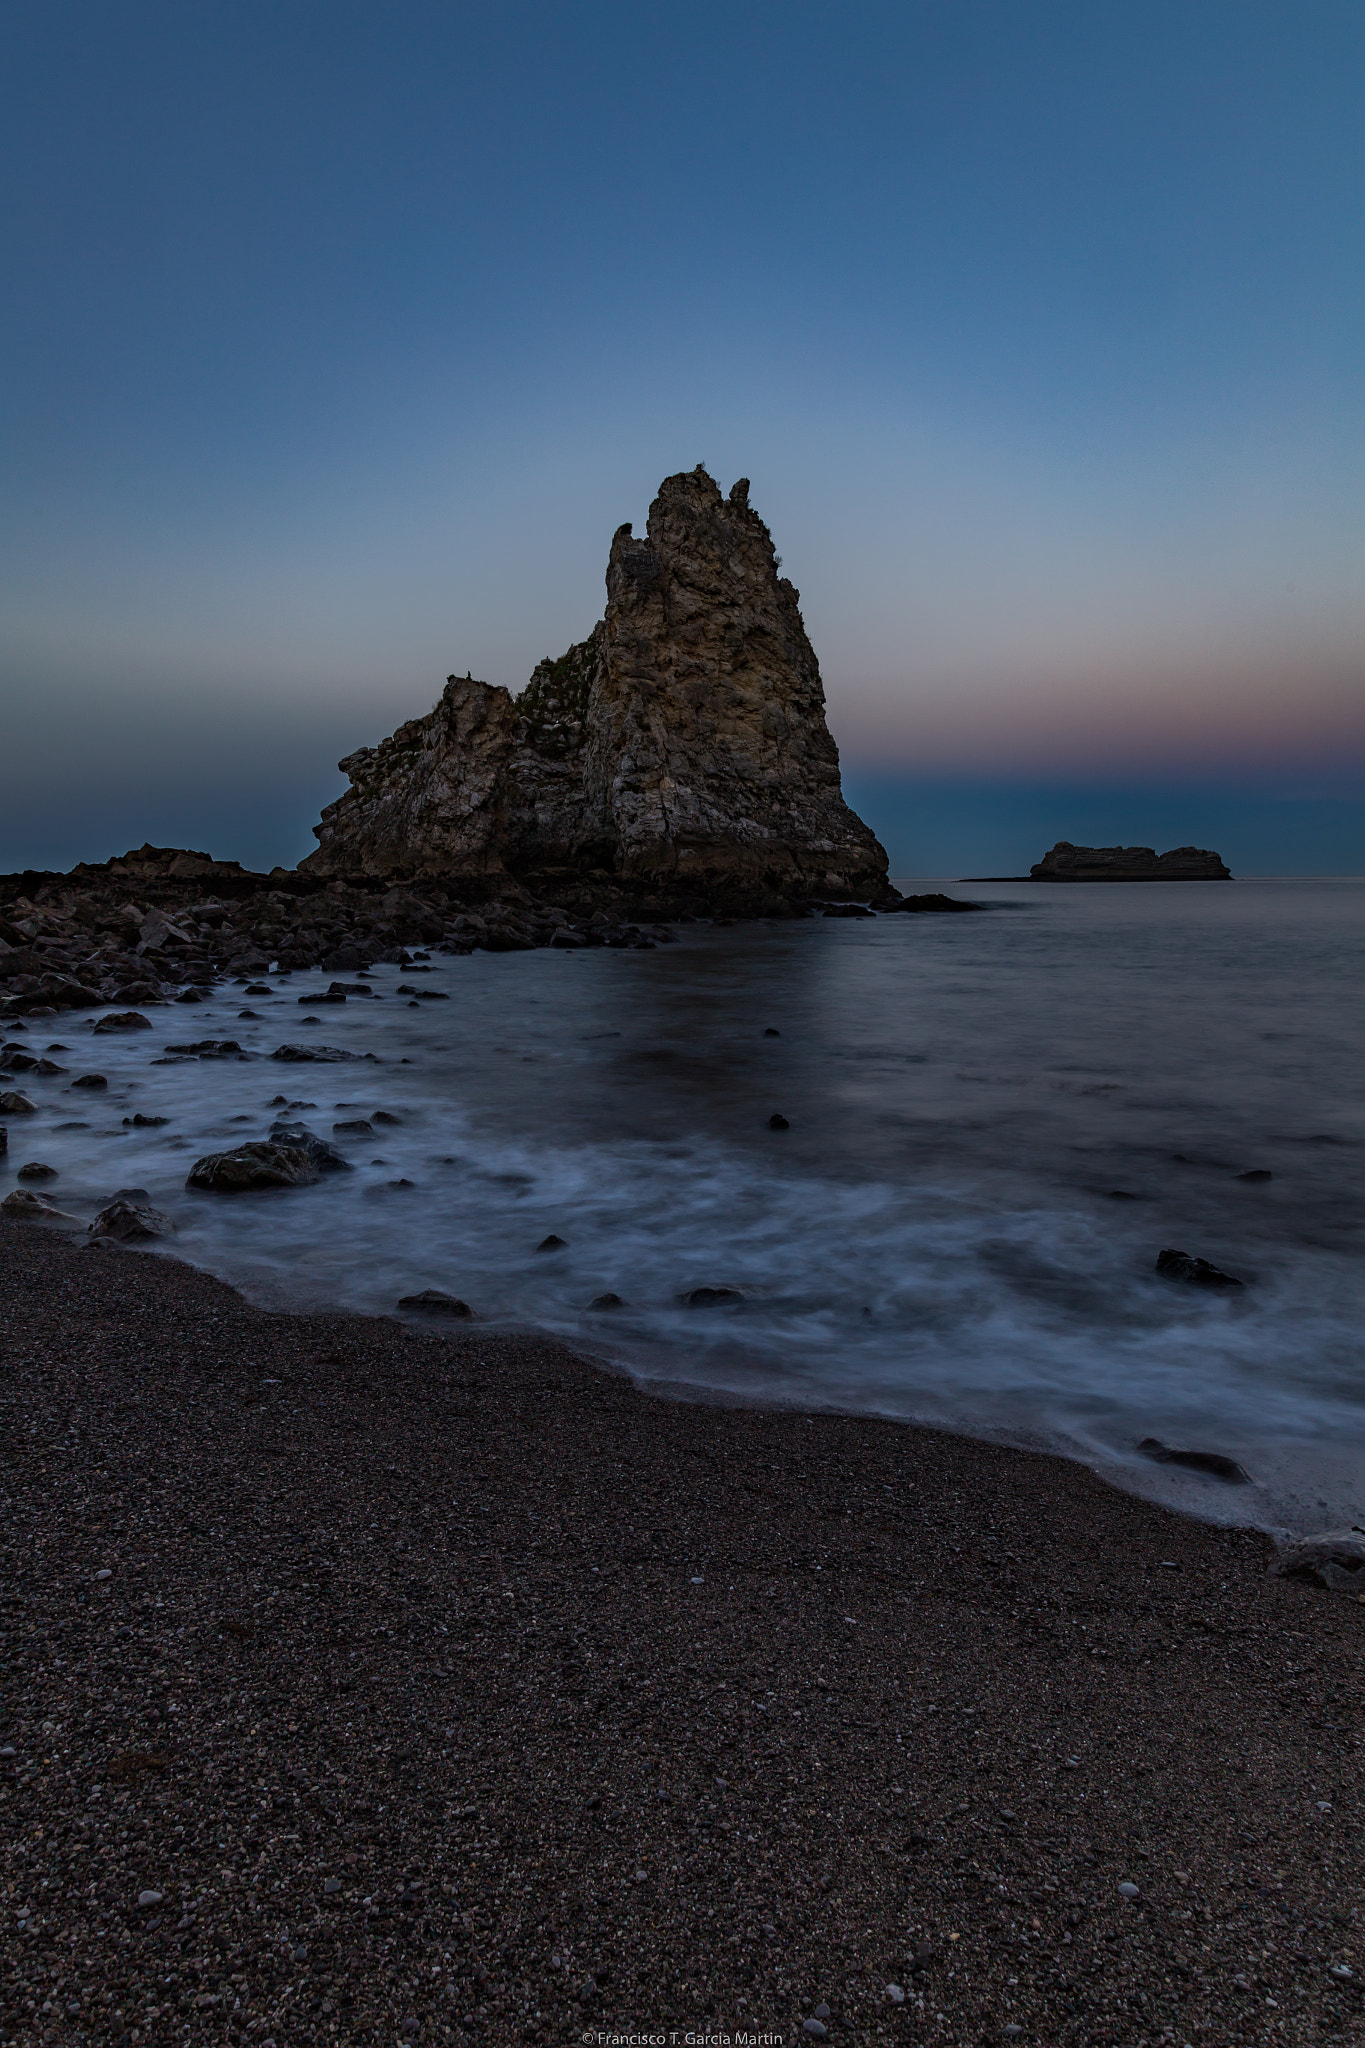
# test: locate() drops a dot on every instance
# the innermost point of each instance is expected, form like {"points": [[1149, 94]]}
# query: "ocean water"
{"points": [[996, 1122]]}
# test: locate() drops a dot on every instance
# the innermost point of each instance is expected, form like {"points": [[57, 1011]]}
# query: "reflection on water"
{"points": [[995, 1123]]}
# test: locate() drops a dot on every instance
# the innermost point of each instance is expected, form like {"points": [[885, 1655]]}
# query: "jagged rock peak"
{"points": [[680, 748]]}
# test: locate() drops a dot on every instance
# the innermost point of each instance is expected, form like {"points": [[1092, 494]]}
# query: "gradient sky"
{"points": [[337, 339]]}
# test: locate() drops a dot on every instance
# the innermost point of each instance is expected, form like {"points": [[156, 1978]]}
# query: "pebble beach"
{"points": [[371, 1682]]}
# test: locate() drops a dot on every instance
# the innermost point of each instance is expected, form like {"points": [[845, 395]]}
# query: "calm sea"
{"points": [[996, 1122]]}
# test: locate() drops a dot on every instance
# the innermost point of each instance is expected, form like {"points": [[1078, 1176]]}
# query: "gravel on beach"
{"points": [[376, 1682]]}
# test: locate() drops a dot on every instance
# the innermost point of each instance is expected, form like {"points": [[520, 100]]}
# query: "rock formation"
{"points": [[1068, 863], [680, 752]]}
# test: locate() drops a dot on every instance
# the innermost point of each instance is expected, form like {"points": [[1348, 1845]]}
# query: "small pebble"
{"points": [[1324, 1806], [820, 2012], [816, 2028], [104, 1574], [333, 1884], [896, 1994], [149, 1898], [1128, 1890]]}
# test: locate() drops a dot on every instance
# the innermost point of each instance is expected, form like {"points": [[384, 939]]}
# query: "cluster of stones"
{"points": [[161, 925]]}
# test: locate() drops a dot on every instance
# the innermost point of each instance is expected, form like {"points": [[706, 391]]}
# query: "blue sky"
{"points": [[338, 338]]}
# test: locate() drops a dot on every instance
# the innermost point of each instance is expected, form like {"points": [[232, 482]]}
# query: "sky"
{"points": [[337, 337]]}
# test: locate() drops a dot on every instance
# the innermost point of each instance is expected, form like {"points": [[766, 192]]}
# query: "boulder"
{"points": [[1334, 1559], [36, 1170], [16, 1105], [298, 1138], [260, 1165], [31, 1208], [130, 1222], [124, 1020]]}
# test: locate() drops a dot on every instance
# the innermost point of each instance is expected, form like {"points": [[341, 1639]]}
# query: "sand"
{"points": [[446, 1687]]}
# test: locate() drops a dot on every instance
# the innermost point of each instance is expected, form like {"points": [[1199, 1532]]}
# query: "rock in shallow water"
{"points": [[1212, 1462], [130, 1222], [34, 1208], [1334, 1559], [124, 1020], [709, 1297], [298, 1138], [1176, 1265], [36, 1170], [260, 1165], [432, 1302]]}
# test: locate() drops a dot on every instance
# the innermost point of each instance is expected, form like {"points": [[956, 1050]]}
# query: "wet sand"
{"points": [[446, 1687]]}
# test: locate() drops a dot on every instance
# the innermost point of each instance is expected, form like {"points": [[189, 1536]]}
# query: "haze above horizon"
{"points": [[339, 340]]}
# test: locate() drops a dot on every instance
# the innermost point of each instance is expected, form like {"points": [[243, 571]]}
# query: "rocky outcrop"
{"points": [[679, 752], [1068, 863]]}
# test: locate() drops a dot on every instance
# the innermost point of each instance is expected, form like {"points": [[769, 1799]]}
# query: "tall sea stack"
{"points": [[679, 752]]}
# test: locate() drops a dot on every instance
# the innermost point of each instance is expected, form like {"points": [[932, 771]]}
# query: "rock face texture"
{"points": [[1068, 863], [680, 751]]}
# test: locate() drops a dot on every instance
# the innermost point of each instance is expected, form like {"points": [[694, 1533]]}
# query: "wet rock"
{"points": [[350, 988], [432, 1302], [709, 1297], [33, 1208], [567, 941], [131, 1222], [778, 1123], [551, 1244], [324, 1054], [140, 1122], [1182, 1266], [247, 1167], [208, 1049], [189, 995], [849, 910], [91, 1081], [35, 1170], [1334, 1559], [124, 1020], [12, 1104], [259, 988], [1257, 1173], [1212, 1462], [331, 995], [771, 1031], [298, 1138], [606, 1301], [358, 1126]]}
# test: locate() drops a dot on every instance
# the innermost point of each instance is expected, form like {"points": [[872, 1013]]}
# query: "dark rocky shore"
{"points": [[371, 1683], [161, 924]]}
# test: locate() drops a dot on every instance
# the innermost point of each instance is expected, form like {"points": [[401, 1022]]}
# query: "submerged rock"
{"points": [[325, 1054], [932, 903], [709, 1297], [1175, 1265]]}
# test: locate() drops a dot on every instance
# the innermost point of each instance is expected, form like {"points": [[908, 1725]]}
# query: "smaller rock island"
{"points": [[1068, 863]]}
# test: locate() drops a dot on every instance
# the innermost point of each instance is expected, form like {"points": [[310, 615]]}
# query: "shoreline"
{"points": [[529, 1703]]}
